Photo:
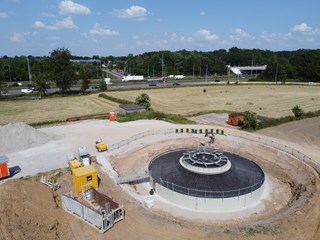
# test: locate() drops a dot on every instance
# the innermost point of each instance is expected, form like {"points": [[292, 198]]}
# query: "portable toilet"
{"points": [[84, 176], [4, 170]]}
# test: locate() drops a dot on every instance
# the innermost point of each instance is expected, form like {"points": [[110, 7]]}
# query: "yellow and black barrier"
{"points": [[184, 130], [201, 131]]}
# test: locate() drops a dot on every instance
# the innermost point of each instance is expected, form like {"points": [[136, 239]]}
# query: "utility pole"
{"points": [[10, 72], [162, 67], [276, 75], [29, 71], [206, 73], [162, 71], [193, 72]]}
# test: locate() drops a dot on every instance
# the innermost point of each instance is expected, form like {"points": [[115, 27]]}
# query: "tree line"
{"points": [[299, 65]]}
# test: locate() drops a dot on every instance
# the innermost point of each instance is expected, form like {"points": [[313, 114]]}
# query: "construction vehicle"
{"points": [[101, 146]]}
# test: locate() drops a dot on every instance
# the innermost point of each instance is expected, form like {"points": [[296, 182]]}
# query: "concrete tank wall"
{"points": [[211, 204]]}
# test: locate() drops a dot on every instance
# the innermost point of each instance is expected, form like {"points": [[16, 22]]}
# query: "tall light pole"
{"points": [[276, 75], [193, 72], [162, 67], [29, 71], [206, 73], [9, 67]]}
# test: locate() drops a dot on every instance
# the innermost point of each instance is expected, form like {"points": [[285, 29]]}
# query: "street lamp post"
{"points": [[206, 73], [29, 71]]}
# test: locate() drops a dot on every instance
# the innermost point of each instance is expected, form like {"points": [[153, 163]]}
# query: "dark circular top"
{"points": [[243, 177]]}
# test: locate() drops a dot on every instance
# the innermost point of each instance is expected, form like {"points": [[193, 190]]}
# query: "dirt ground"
{"points": [[30, 210]]}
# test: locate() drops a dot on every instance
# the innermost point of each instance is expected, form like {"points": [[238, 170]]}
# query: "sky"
{"points": [[122, 27]]}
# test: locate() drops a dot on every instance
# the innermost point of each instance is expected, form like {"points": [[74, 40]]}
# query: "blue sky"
{"points": [[122, 27]]}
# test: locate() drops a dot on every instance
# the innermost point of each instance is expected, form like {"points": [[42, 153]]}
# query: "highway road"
{"points": [[118, 85]]}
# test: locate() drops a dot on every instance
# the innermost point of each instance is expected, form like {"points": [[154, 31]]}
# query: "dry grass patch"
{"points": [[57, 108], [271, 101]]}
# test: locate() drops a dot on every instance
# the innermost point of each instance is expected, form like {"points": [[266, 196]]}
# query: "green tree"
{"points": [[103, 86], [40, 81], [3, 85], [144, 100], [297, 111], [85, 82], [249, 121], [62, 70]]}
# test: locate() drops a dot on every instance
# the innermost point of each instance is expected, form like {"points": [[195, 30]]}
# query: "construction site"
{"points": [[151, 179]]}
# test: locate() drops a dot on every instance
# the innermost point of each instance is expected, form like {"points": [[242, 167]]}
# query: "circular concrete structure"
{"points": [[205, 161], [239, 176]]}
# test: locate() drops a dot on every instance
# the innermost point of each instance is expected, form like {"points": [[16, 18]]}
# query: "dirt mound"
{"points": [[20, 136], [303, 131], [29, 210]]}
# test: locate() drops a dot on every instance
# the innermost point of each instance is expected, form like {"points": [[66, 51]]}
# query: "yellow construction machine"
{"points": [[101, 146]]}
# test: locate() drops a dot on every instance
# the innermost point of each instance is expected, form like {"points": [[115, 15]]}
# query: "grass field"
{"points": [[271, 101], [57, 108]]}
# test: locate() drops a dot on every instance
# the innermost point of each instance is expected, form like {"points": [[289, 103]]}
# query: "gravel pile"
{"points": [[19, 136]]}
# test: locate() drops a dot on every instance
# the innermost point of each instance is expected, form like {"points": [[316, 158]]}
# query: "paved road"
{"points": [[127, 85]]}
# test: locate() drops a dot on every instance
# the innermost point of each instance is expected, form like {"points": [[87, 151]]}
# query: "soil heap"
{"points": [[20, 136]]}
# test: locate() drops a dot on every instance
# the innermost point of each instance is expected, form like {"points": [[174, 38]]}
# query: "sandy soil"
{"points": [[30, 210]]}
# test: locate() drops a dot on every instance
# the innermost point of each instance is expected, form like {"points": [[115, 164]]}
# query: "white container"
{"points": [[85, 161], [149, 201]]}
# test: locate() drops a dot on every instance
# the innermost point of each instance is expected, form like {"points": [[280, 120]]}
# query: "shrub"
{"points": [[144, 100], [297, 111], [113, 99], [249, 121]]}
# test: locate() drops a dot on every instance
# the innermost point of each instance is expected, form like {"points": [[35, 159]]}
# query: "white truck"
{"points": [[107, 81], [131, 78], [176, 76]]}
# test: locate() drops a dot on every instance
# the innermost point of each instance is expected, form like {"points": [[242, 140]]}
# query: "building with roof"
{"points": [[246, 70], [124, 109]]}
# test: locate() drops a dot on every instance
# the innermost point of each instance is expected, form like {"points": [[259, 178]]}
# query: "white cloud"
{"points": [[48, 15], [238, 36], [176, 38], [4, 15], [303, 27], [202, 13], [21, 36], [206, 35], [39, 24], [242, 34], [133, 12], [102, 31], [275, 37], [70, 7], [64, 23], [142, 43]]}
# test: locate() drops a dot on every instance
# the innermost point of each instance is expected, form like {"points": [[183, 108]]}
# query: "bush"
{"points": [[143, 100], [297, 111], [113, 99], [249, 121]]}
